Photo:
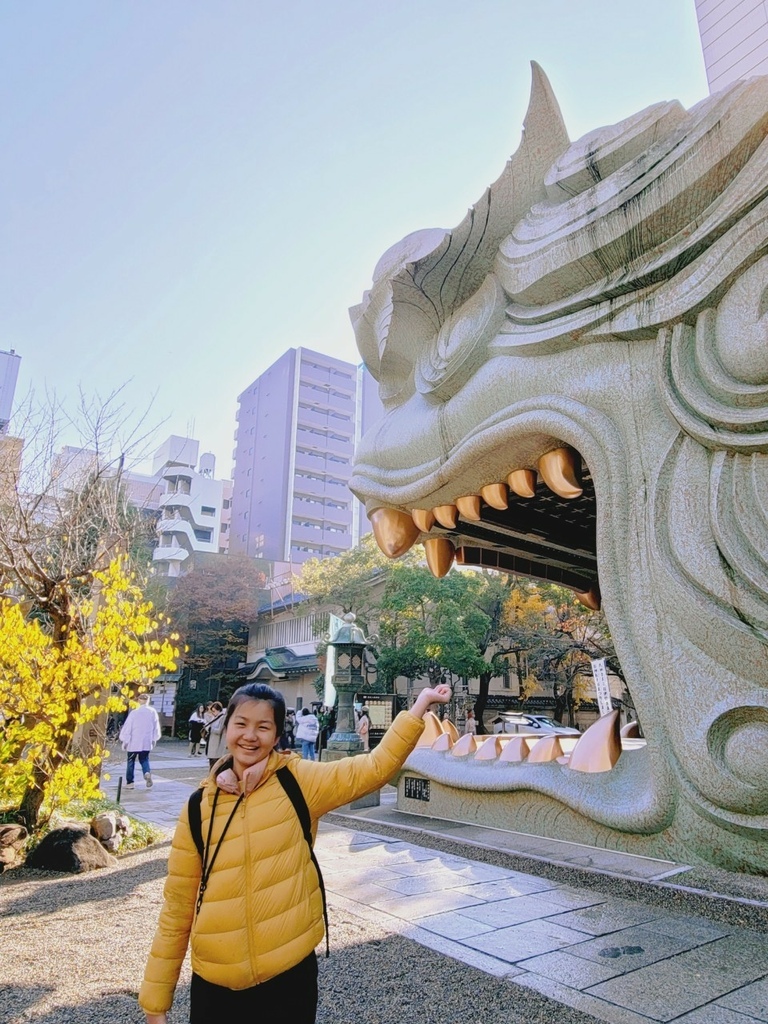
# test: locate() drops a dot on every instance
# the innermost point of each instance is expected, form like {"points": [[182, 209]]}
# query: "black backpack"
{"points": [[293, 791]]}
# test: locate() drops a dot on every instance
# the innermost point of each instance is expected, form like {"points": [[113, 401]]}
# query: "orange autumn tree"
{"points": [[53, 682]]}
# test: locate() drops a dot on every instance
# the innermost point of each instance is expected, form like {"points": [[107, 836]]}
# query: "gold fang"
{"points": [[469, 507], [447, 516], [590, 598], [489, 749], [443, 743], [599, 748], [432, 730], [395, 531], [424, 519], [467, 745], [440, 554], [523, 483], [495, 495], [546, 749], [561, 471], [450, 729], [516, 750]]}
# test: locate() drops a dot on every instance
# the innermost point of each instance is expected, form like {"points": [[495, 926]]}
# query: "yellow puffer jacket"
{"points": [[263, 910]]}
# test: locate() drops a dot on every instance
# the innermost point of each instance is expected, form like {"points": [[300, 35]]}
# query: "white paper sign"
{"points": [[329, 696], [604, 701]]}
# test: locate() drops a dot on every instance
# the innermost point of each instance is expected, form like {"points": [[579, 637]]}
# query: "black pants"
{"points": [[291, 996]]}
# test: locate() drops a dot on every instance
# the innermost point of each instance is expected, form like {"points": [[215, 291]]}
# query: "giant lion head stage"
{"points": [[575, 382]]}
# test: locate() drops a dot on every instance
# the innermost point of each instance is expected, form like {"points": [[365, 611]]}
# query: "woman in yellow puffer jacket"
{"points": [[255, 922]]}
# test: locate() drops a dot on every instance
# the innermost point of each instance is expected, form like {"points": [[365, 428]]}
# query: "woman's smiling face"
{"points": [[251, 734]]}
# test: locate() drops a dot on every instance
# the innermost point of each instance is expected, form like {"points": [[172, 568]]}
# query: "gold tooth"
{"points": [[469, 507], [446, 515], [424, 519], [516, 750], [440, 554], [443, 743], [523, 483], [599, 748], [548, 748], [489, 749], [561, 471], [432, 730], [495, 495], [450, 729], [395, 531], [466, 745], [590, 598]]}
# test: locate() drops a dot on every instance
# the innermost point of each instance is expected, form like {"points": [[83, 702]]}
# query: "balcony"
{"points": [[178, 499], [310, 373], [170, 554], [313, 417], [179, 527]]}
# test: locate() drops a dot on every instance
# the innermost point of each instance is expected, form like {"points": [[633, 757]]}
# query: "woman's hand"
{"points": [[157, 1018], [435, 695]]}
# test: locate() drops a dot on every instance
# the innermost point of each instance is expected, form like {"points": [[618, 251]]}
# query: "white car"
{"points": [[524, 724]]}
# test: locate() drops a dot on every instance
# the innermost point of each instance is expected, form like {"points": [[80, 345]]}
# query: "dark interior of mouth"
{"points": [[546, 537]]}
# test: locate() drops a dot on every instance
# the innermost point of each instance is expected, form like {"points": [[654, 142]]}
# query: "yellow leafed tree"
{"points": [[52, 684]]}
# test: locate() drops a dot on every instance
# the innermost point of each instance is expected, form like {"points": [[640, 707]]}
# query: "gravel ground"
{"points": [[73, 952]]}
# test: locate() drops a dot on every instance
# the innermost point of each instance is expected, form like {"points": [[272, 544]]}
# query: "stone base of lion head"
{"points": [[576, 387]]}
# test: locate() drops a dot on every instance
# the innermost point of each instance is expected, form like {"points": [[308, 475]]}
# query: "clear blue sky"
{"points": [[190, 187]]}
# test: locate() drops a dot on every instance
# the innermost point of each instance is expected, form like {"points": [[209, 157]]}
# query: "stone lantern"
{"points": [[350, 644]]}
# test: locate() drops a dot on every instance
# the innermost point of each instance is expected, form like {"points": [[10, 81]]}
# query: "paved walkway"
{"points": [[622, 961]]}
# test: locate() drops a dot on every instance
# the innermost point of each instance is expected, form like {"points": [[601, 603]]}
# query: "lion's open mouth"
{"points": [[538, 523]]}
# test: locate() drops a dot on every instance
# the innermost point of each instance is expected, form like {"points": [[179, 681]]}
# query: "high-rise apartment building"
{"points": [[297, 426], [194, 506], [9, 372], [190, 506], [734, 39]]}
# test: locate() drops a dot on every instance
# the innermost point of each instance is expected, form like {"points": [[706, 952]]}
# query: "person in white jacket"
{"points": [[307, 728], [140, 732]]}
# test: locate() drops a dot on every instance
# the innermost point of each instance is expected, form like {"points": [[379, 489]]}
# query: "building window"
{"points": [[227, 503], [204, 536], [206, 510]]}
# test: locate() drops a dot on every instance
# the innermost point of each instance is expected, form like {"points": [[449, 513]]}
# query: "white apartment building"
{"points": [[734, 39], [194, 505]]}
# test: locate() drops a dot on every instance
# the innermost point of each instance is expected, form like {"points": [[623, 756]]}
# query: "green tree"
{"points": [[553, 639]]}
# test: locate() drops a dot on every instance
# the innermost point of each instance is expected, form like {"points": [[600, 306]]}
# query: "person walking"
{"points": [[140, 732], [290, 728], [470, 726], [363, 727], [243, 888], [196, 726], [216, 741], [306, 732]]}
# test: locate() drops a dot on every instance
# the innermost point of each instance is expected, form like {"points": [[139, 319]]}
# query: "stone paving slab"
{"points": [[553, 851], [752, 999], [672, 987], [528, 930]]}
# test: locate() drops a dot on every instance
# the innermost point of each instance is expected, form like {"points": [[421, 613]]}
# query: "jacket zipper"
{"points": [[249, 897]]}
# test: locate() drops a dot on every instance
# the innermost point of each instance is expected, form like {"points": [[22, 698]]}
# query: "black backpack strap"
{"points": [[195, 820], [292, 788]]}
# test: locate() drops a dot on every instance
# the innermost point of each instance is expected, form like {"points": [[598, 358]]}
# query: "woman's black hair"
{"points": [[258, 691]]}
